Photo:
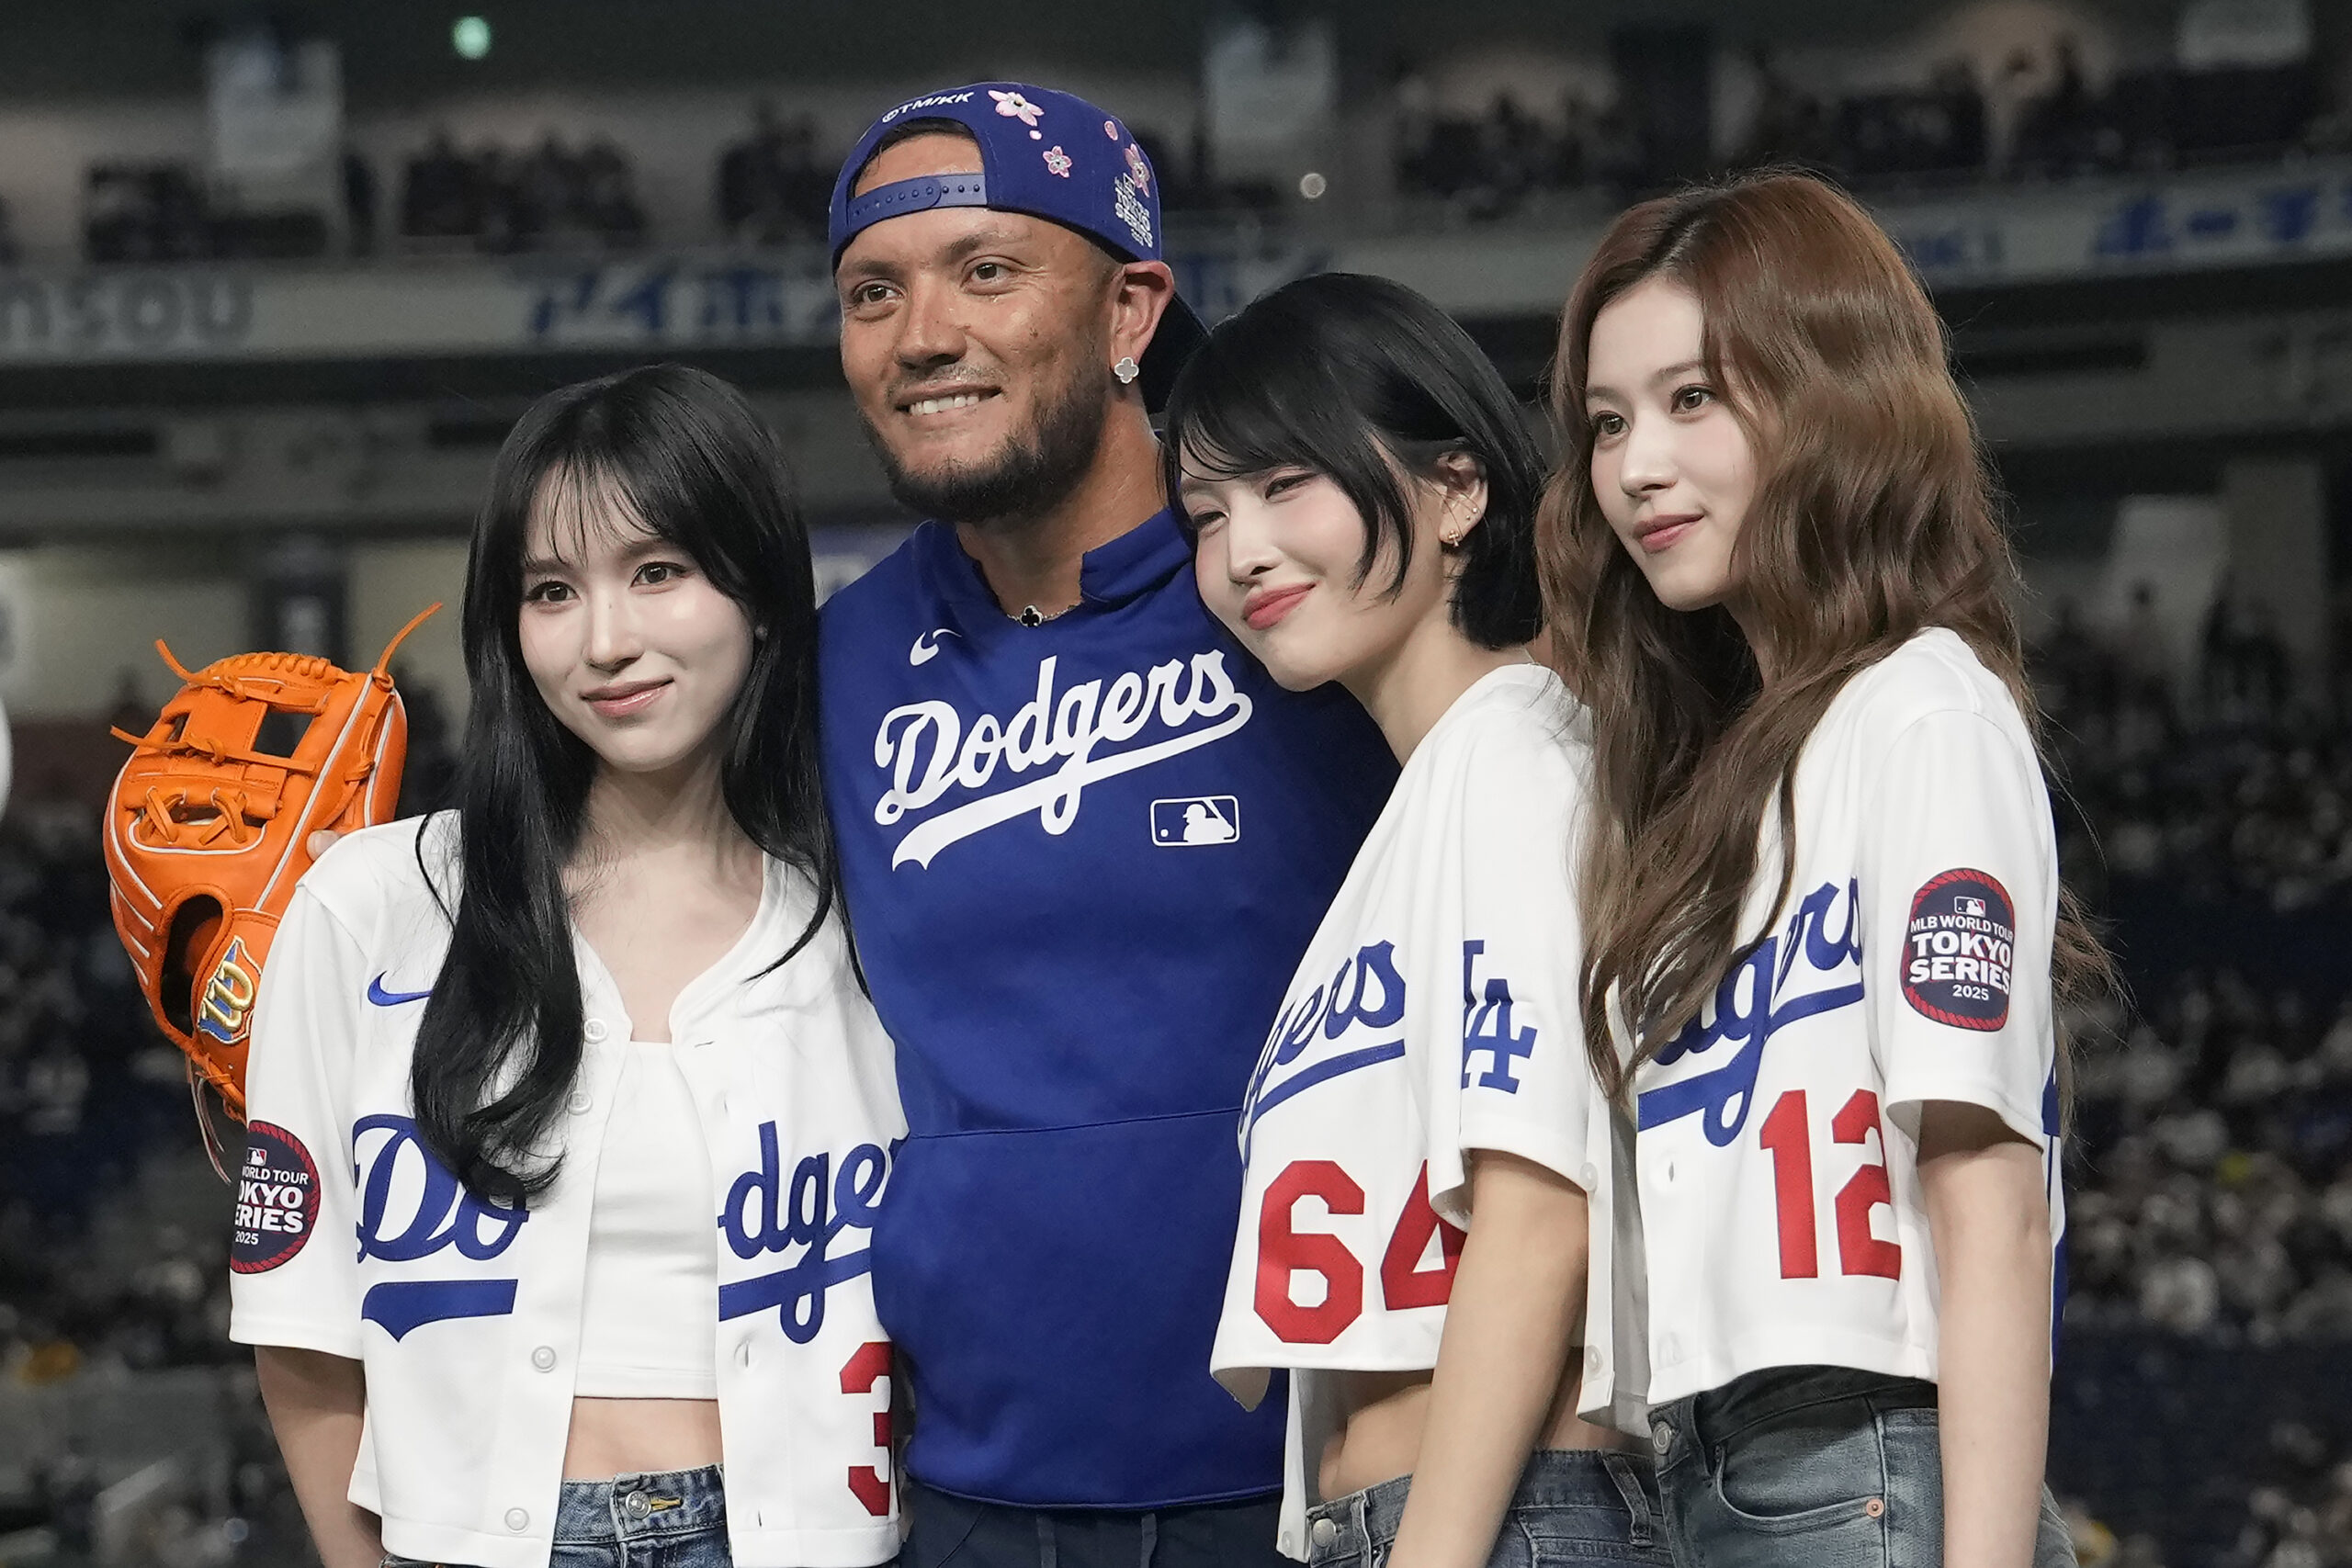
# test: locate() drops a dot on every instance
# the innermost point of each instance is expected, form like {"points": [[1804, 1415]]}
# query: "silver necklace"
{"points": [[1031, 616]]}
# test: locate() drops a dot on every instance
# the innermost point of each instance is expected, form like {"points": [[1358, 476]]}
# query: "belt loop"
{"points": [[1150, 1540], [1629, 1486], [1360, 1508], [1048, 1549]]}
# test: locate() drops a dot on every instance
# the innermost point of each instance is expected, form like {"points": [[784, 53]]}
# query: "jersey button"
{"points": [[593, 1032], [1325, 1532], [1589, 1176], [544, 1358], [1592, 1360], [578, 1102], [517, 1520]]}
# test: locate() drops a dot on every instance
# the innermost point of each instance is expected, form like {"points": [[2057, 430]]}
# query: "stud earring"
{"points": [[1127, 370]]}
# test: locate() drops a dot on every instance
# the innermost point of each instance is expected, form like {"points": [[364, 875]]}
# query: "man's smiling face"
{"points": [[976, 344]]}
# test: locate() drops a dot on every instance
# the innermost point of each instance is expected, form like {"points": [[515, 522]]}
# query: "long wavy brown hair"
{"points": [[1874, 518]]}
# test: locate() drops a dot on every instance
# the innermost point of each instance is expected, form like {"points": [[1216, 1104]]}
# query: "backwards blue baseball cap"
{"points": [[1048, 154]]}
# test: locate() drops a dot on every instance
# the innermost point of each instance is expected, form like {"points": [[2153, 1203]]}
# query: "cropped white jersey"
{"points": [[1433, 1014], [1778, 1145], [467, 1315]]}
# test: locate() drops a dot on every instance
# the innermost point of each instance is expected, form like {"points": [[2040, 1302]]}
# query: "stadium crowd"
{"points": [[496, 199], [1940, 131]]}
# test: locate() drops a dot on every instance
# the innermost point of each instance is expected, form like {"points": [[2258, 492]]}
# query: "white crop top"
{"points": [[652, 1291]]}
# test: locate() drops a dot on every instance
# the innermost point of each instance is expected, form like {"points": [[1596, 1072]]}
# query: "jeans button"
{"points": [[1661, 1438], [1325, 1532], [637, 1504]]}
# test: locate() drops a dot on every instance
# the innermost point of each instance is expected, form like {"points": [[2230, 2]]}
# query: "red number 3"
{"points": [[869, 1366], [1787, 1134]]}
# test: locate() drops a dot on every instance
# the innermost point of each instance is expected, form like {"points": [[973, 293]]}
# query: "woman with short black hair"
{"points": [[524, 1051], [1361, 486]]}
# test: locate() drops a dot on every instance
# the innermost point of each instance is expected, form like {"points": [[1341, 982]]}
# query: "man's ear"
{"points": [[1140, 293]]}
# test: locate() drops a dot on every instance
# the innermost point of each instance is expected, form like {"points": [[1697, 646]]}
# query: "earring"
{"points": [[1127, 370], [1450, 537]]}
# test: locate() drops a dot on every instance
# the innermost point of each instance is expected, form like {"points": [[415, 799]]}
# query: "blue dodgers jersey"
{"points": [[1082, 860]]}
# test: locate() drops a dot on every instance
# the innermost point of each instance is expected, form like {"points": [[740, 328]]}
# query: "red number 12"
{"points": [[1787, 1134]]}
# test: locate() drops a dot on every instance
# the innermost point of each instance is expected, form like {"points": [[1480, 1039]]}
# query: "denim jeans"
{"points": [[948, 1532], [1820, 1466], [1573, 1505], [674, 1520]]}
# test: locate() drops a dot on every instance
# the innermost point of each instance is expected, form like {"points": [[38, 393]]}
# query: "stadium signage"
{"points": [[158, 313], [689, 299]]}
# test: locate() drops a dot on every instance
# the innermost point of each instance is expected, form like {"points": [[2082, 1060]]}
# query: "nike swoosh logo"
{"points": [[384, 999], [926, 648]]}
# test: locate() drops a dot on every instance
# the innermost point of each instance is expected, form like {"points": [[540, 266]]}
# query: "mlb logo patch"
{"points": [[1960, 951], [1196, 819]]}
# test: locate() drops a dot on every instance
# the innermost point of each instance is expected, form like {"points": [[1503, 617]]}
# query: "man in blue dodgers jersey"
{"points": [[1085, 839]]}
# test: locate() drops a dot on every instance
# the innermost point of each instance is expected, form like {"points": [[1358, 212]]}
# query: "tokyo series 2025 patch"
{"points": [[1960, 951], [277, 1200]]}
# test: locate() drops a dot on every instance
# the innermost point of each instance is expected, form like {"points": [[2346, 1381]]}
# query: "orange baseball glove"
{"points": [[207, 829]]}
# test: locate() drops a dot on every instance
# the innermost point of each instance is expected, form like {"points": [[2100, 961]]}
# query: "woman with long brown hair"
{"points": [[1827, 944]]}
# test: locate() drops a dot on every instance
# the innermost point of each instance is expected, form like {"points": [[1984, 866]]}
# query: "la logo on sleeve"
{"points": [[1960, 951]]}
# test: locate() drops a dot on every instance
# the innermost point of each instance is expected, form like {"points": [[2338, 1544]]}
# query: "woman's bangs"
{"points": [[585, 501]]}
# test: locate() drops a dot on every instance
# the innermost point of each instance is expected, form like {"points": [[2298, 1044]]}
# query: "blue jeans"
{"points": [[674, 1520], [948, 1532], [1573, 1505], [1819, 1466]]}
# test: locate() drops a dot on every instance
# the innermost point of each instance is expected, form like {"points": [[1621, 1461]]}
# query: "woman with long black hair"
{"points": [[525, 1050]]}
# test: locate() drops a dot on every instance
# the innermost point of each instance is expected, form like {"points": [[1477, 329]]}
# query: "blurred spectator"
{"points": [[432, 769], [2058, 132], [440, 198], [143, 212], [360, 201], [772, 188], [1489, 166], [502, 202], [1789, 126]]}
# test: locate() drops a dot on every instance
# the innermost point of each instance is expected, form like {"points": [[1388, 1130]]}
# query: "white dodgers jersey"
{"points": [[1777, 1146], [1434, 1014], [353, 1238]]}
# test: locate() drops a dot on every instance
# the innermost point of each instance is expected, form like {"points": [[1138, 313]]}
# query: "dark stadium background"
{"points": [[275, 280]]}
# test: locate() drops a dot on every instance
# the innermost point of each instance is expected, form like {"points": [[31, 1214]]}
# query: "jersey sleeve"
{"points": [[289, 1284], [1958, 896], [1520, 1083]]}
